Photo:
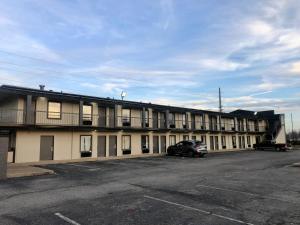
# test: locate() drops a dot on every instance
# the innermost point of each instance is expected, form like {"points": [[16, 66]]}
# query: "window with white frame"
{"points": [[87, 112], [183, 120], [172, 140], [172, 120], [145, 143], [86, 143], [126, 142], [54, 110], [223, 140], [126, 117]]}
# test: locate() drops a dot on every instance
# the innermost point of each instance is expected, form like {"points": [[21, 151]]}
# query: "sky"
{"points": [[173, 52]]}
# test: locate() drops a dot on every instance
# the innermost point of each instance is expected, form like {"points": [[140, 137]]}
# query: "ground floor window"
{"points": [[145, 143], [248, 141], [203, 139], [223, 139], [126, 144], [172, 140], [186, 137], [233, 141], [86, 145], [194, 138]]}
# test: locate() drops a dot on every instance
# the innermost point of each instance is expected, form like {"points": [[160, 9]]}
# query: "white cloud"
{"points": [[295, 68], [261, 28]]}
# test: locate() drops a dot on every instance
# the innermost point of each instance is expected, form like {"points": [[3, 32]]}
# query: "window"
{"points": [[223, 139], [54, 110], [234, 141], [186, 137], [172, 120], [87, 112], [126, 117], [172, 140], [145, 143], [126, 144], [146, 117], [194, 138], [86, 145], [248, 141], [184, 120], [203, 139]]}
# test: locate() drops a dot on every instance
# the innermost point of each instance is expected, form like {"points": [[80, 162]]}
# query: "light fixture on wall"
{"points": [[123, 95]]}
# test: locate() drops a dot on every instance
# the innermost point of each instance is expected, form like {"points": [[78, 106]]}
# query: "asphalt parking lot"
{"points": [[226, 188]]}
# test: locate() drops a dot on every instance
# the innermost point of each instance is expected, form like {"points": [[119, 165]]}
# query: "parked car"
{"points": [[271, 145], [188, 148]]}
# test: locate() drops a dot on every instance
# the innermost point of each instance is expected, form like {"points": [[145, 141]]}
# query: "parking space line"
{"points": [[66, 219], [83, 166], [198, 210], [244, 192]]}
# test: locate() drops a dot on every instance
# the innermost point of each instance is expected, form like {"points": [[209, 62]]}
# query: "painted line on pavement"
{"points": [[198, 210], [66, 219], [244, 192]]}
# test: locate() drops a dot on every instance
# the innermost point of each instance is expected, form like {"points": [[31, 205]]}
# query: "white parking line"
{"points": [[198, 210], [244, 192], [66, 219], [83, 166]]}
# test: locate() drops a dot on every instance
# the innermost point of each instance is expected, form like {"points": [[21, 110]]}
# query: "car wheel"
{"points": [[191, 154]]}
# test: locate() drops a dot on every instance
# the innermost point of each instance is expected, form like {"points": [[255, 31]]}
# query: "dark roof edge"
{"points": [[36, 92]]}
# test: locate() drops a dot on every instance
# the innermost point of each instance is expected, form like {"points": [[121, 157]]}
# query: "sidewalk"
{"points": [[19, 170]]}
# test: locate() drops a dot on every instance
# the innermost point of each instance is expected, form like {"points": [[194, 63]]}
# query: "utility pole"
{"points": [[220, 101], [292, 126]]}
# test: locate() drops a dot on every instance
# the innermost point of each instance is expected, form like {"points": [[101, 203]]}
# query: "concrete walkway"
{"points": [[18, 170]]}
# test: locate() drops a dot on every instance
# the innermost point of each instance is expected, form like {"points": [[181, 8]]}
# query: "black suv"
{"points": [[188, 148]]}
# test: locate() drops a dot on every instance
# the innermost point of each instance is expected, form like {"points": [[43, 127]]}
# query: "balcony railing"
{"points": [[14, 117]]}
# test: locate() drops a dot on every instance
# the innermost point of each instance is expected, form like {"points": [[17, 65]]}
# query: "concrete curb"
{"points": [[296, 165], [26, 171]]}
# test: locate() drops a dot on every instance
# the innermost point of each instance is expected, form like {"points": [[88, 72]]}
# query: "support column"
{"points": [[80, 113], [4, 140], [143, 117], [29, 110], [167, 119]]}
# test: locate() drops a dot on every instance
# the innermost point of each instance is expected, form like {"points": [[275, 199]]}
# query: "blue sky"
{"points": [[161, 51]]}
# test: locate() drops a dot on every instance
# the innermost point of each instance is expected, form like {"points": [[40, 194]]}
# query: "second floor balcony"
{"points": [[12, 117]]}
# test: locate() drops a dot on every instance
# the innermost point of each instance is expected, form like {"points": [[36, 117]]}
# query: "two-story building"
{"points": [[42, 124]]}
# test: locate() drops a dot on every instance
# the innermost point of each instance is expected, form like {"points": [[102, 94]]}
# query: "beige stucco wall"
{"points": [[67, 143], [70, 113]]}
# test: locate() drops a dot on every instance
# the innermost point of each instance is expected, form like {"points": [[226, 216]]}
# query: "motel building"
{"points": [[39, 124]]}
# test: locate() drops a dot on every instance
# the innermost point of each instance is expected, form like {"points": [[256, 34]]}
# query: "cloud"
{"points": [[167, 7], [295, 68], [261, 28]]}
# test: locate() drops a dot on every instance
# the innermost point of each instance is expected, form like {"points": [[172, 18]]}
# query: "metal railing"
{"points": [[10, 117]]}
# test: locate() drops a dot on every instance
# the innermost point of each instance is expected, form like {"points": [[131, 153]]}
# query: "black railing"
{"points": [[10, 117]]}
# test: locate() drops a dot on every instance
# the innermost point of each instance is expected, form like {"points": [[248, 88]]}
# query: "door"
{"points": [[211, 141], [163, 145], [112, 145], [102, 117], [101, 148], [111, 117], [155, 144], [216, 143], [155, 120], [47, 148], [3, 156], [240, 142]]}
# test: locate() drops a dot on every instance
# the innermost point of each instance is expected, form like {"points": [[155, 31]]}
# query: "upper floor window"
{"points": [[54, 110], [126, 117], [184, 120], [172, 120], [147, 118], [87, 113]]}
